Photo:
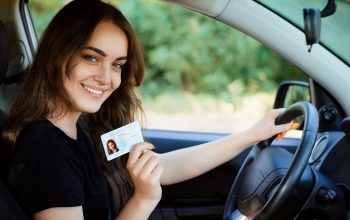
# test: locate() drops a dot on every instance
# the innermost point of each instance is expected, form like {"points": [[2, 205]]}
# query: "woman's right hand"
{"points": [[145, 170]]}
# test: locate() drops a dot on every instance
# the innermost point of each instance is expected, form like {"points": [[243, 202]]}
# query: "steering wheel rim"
{"points": [[296, 169]]}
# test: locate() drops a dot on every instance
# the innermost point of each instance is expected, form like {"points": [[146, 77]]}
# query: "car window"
{"points": [[43, 11], [335, 31], [201, 75]]}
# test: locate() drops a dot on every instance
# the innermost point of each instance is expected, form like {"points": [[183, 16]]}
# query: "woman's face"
{"points": [[97, 69], [111, 146]]}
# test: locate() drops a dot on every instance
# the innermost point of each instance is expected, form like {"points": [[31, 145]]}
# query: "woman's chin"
{"points": [[91, 109]]}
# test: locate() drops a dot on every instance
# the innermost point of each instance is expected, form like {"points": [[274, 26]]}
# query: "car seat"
{"points": [[4, 52], [9, 208]]}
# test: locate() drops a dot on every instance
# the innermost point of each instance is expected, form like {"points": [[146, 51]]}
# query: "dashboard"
{"points": [[330, 162], [331, 154]]}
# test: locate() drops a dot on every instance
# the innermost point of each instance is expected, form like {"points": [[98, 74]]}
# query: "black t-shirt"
{"points": [[50, 169]]}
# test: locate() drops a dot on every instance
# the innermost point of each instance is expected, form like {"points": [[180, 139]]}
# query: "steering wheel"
{"points": [[266, 181]]}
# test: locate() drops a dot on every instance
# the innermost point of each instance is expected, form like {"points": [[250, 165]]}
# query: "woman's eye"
{"points": [[118, 66], [90, 58]]}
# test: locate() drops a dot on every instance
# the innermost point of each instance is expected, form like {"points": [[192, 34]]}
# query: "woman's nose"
{"points": [[104, 75]]}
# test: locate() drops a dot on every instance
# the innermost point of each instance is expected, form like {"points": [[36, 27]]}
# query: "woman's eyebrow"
{"points": [[102, 53], [121, 58]]}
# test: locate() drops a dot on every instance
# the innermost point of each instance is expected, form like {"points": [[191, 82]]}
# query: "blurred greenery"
{"points": [[43, 11], [295, 94], [187, 51]]}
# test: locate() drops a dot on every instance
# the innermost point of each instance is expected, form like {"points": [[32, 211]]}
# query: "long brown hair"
{"points": [[64, 38]]}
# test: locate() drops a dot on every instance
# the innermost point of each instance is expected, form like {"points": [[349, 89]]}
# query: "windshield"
{"points": [[335, 31]]}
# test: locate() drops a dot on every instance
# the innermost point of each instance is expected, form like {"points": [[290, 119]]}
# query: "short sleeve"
{"points": [[45, 171]]}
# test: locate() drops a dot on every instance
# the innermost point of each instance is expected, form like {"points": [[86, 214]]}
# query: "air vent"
{"points": [[320, 146]]}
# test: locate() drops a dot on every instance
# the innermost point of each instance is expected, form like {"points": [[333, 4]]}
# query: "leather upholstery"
{"points": [[4, 51]]}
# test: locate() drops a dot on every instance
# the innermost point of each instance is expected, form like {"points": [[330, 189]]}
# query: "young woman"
{"points": [[81, 85]]}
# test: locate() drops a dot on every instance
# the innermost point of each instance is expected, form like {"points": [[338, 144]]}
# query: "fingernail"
{"points": [[294, 126], [280, 136]]}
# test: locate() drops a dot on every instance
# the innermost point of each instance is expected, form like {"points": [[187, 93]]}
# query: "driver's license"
{"points": [[119, 141]]}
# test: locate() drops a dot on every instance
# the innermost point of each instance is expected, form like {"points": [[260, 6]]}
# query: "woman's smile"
{"points": [[92, 91]]}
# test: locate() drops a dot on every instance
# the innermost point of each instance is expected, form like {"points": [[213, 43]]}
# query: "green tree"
{"points": [[194, 53], [43, 12]]}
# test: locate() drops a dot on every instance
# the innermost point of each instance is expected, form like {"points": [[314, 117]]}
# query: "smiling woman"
{"points": [[80, 85], [59, 165], [81, 60]]}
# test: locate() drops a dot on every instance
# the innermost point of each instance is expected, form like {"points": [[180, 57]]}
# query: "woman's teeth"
{"points": [[93, 91]]}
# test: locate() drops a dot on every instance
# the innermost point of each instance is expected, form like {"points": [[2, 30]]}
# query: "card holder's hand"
{"points": [[145, 170]]}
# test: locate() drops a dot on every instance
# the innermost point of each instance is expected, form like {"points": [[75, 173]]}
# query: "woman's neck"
{"points": [[67, 123]]}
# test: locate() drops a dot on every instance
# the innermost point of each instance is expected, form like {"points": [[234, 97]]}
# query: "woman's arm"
{"points": [[58, 213], [190, 162], [137, 208]]}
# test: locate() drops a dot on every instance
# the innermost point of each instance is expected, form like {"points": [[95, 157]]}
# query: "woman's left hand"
{"points": [[266, 128]]}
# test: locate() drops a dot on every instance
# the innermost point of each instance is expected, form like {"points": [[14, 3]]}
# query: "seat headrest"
{"points": [[4, 52]]}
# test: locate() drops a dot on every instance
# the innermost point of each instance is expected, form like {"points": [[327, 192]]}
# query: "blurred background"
{"points": [[201, 75]]}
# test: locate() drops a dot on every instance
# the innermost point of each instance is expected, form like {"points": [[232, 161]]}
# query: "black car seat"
{"points": [[9, 208], [4, 52]]}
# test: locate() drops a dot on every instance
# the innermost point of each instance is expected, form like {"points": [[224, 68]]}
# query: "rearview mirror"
{"points": [[312, 25], [312, 22]]}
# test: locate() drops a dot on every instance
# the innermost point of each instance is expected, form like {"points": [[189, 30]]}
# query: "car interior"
{"points": [[296, 178]]}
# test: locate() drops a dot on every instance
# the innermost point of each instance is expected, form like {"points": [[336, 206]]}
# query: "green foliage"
{"points": [[43, 12], [296, 94], [191, 52]]}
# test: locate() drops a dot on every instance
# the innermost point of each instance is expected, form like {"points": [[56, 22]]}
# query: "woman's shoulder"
{"points": [[41, 129], [40, 144], [41, 136], [38, 125], [45, 169]]}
